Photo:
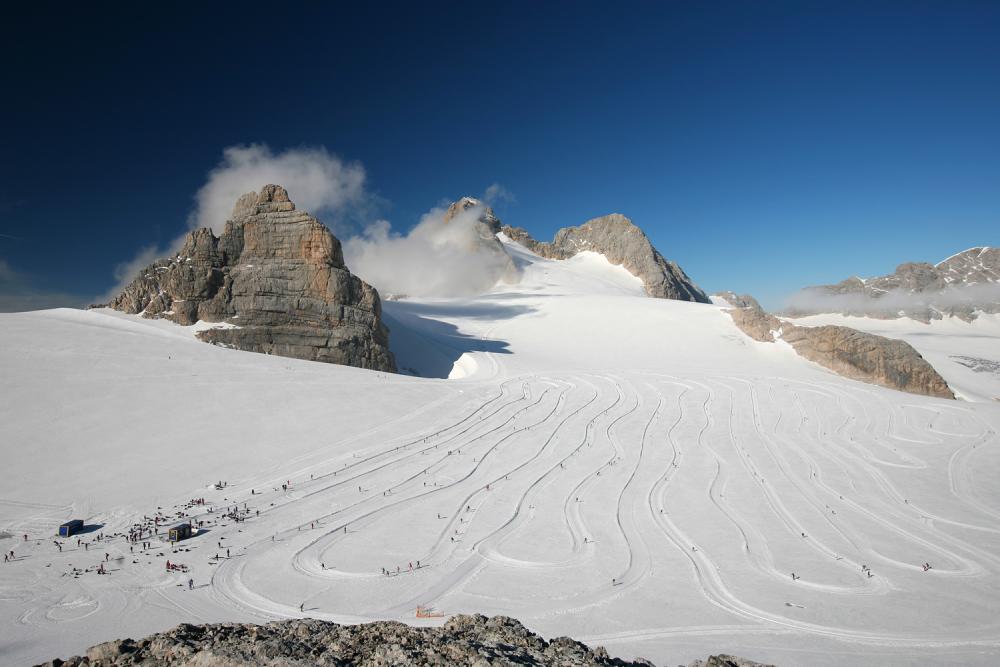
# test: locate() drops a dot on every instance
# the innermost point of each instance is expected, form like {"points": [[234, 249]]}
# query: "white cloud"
{"points": [[813, 300], [496, 194], [317, 181], [436, 258]]}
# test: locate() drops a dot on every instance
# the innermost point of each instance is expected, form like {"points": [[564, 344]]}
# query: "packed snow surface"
{"points": [[629, 471]]}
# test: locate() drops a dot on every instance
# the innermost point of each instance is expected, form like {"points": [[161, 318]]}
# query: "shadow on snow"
{"points": [[429, 347]]}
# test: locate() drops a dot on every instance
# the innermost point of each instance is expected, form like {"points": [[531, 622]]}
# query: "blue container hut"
{"points": [[71, 527]]}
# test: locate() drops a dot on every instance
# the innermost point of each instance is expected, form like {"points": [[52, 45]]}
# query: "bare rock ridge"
{"points": [[958, 286], [854, 354], [463, 640], [618, 239], [275, 280]]}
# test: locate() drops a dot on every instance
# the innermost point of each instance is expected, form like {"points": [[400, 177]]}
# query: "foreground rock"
{"points": [[961, 286], [862, 356], [621, 242], [463, 640], [276, 279]]}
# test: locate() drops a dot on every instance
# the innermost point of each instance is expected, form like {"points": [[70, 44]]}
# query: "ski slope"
{"points": [[632, 472]]}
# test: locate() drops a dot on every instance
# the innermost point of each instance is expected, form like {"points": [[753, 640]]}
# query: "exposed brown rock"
{"points": [[277, 277], [855, 354], [887, 362]]}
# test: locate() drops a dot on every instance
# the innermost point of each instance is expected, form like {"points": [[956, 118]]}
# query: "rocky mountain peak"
{"points": [[271, 198], [275, 279], [961, 286], [973, 266], [621, 242], [486, 217]]}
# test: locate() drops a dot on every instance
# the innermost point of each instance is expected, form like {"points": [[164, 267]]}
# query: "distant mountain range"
{"points": [[962, 285]]}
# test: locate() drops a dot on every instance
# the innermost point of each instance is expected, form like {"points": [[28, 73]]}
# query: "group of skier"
{"points": [[399, 570]]}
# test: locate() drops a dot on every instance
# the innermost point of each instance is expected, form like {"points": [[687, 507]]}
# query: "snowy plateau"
{"points": [[632, 472]]}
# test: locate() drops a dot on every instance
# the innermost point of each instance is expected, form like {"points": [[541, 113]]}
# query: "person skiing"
{"points": [[190, 584]]}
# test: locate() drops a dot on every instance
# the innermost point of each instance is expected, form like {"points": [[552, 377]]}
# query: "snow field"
{"points": [[627, 471]]}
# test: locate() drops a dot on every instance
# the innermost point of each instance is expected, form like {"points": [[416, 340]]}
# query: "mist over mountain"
{"points": [[963, 285]]}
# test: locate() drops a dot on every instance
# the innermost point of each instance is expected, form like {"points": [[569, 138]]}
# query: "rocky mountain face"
{"points": [[276, 282], [463, 640], [469, 210], [618, 239], [958, 286], [862, 356], [486, 218]]}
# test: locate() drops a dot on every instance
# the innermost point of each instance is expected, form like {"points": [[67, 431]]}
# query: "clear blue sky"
{"points": [[763, 146]]}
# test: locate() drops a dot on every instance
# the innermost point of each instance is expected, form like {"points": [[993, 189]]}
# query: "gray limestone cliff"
{"points": [[621, 242], [862, 356], [462, 640], [960, 286], [276, 282]]}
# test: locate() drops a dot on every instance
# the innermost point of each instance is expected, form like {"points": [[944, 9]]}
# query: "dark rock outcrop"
{"points": [[621, 242], [463, 640], [854, 354], [276, 278], [958, 286]]}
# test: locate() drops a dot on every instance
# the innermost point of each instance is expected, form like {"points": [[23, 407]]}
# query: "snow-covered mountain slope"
{"points": [[634, 472]]}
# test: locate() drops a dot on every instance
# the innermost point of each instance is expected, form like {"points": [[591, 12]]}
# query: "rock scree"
{"points": [[621, 242], [462, 640], [276, 282]]}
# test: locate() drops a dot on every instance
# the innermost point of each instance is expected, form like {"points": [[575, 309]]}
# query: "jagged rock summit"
{"points": [[961, 286], [858, 355], [471, 211], [486, 217], [621, 242], [276, 282]]}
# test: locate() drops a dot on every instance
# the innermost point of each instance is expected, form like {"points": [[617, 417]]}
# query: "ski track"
{"points": [[603, 467]]}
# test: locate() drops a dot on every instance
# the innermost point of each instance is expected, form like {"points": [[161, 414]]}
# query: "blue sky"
{"points": [[763, 146]]}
